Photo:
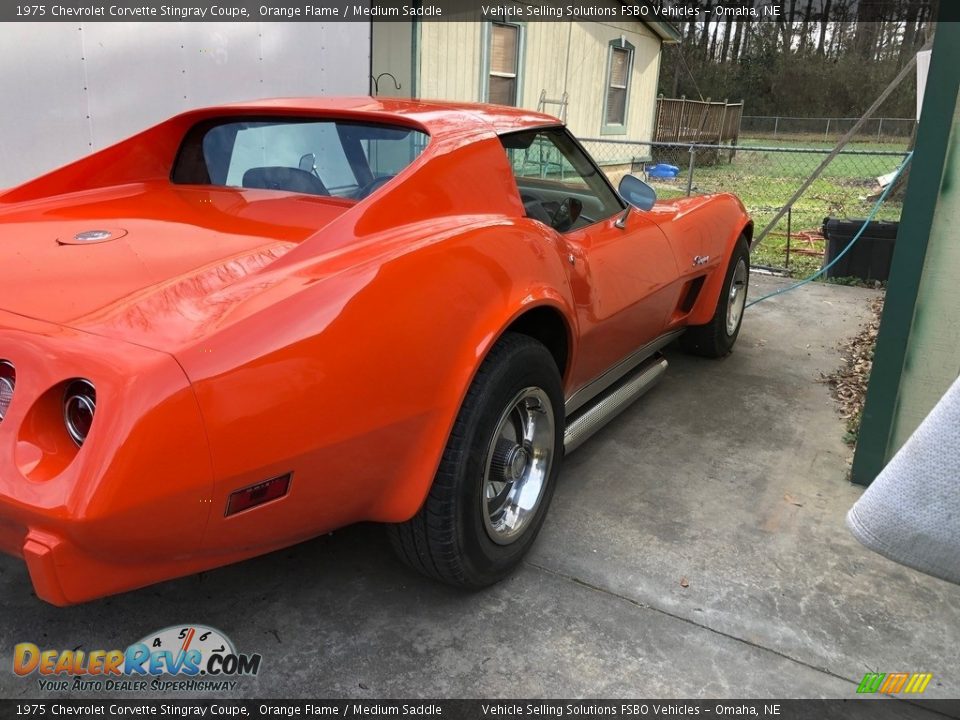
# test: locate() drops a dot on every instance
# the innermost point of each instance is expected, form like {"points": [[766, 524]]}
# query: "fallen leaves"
{"points": [[848, 384]]}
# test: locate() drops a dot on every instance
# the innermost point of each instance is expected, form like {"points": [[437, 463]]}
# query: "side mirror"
{"points": [[308, 162], [636, 192]]}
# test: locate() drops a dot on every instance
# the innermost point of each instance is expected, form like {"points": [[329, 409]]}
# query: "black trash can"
{"points": [[870, 257]]}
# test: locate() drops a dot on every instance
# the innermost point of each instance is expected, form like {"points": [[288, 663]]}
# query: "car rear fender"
{"points": [[350, 374], [531, 295]]}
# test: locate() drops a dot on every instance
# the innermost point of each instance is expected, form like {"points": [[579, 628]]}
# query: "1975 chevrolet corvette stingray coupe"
{"points": [[256, 323]]}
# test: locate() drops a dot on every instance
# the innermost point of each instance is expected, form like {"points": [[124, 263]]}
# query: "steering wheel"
{"points": [[535, 209], [556, 215], [375, 185], [566, 214]]}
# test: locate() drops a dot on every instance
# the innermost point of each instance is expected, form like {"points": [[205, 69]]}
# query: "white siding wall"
{"points": [[393, 53], [82, 86]]}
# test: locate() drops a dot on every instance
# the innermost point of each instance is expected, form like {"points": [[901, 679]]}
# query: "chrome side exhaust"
{"points": [[611, 403]]}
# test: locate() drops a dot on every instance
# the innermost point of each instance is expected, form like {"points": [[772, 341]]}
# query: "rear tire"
{"points": [[716, 338], [497, 474]]}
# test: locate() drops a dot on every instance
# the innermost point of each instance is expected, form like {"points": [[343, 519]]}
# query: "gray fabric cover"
{"points": [[911, 512]]}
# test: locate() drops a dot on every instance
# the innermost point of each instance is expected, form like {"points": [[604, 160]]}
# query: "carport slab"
{"points": [[695, 548]]}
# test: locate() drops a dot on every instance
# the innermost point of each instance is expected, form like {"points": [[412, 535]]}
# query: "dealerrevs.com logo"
{"points": [[197, 656]]}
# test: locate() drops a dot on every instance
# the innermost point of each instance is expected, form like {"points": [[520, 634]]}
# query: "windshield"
{"points": [[316, 157]]}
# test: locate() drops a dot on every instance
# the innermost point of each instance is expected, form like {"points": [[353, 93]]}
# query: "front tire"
{"points": [[497, 474], [716, 338]]}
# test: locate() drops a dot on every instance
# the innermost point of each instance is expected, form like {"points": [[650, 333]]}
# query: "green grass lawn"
{"points": [[814, 141], [765, 180]]}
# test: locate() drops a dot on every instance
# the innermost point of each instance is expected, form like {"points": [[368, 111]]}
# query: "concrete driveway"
{"points": [[695, 548]]}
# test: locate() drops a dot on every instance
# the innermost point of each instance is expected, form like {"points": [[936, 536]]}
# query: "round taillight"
{"points": [[79, 407], [8, 381]]}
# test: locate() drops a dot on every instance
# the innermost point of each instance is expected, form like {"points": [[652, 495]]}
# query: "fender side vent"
{"points": [[691, 295]]}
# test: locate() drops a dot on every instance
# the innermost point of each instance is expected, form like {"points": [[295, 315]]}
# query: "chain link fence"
{"points": [[879, 130], [765, 178]]}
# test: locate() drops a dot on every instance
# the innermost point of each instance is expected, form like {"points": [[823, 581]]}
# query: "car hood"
{"points": [[126, 261]]}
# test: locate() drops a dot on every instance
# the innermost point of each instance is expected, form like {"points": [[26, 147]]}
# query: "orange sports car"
{"points": [[256, 323]]}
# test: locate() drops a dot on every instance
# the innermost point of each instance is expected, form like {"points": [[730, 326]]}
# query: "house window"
{"points": [[503, 77], [618, 86]]}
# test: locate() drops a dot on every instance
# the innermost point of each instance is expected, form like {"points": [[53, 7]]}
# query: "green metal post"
{"points": [[923, 191]]}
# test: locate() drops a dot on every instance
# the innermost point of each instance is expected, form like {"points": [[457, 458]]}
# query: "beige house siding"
{"points": [[449, 56], [545, 64], [586, 77], [449, 61]]}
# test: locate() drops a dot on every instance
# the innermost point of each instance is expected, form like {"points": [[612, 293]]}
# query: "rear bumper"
{"points": [[60, 575], [63, 573]]}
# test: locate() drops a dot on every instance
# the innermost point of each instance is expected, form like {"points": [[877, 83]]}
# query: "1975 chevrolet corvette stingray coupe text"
{"points": [[256, 323]]}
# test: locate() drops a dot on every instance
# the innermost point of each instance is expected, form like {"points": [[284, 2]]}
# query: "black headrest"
{"points": [[284, 178]]}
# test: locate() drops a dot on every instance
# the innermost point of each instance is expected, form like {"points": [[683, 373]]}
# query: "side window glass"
{"points": [[389, 152], [559, 185]]}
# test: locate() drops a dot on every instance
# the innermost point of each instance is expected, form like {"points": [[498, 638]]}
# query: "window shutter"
{"points": [[502, 90], [616, 106], [618, 68], [503, 49]]}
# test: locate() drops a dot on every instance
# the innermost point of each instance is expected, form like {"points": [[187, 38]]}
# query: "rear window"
{"points": [[315, 157]]}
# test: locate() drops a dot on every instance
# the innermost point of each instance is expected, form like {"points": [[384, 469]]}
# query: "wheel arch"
{"points": [[543, 315], [747, 232], [549, 326], [710, 294]]}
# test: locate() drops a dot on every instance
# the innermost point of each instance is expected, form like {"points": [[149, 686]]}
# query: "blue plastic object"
{"points": [[662, 170]]}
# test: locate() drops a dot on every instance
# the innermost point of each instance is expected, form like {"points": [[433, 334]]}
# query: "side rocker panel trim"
{"points": [[600, 383]]}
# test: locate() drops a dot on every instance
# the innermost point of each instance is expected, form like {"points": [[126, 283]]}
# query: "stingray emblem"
{"points": [[700, 260]]}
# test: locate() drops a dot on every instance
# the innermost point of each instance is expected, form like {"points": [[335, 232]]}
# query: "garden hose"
{"points": [[866, 224]]}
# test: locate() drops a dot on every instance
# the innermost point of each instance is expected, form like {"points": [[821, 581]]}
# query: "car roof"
{"points": [[438, 118]]}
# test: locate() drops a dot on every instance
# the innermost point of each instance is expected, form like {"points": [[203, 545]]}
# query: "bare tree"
{"points": [[805, 26], [705, 33], [738, 36], [869, 17], [728, 27], [841, 27], [782, 27], [747, 34], [824, 23], [712, 54], [791, 19], [909, 31], [819, 58]]}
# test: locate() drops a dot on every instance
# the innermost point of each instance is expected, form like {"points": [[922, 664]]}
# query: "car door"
{"points": [[623, 273]]}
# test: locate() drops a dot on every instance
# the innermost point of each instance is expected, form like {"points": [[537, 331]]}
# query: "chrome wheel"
{"points": [[518, 465], [738, 297]]}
